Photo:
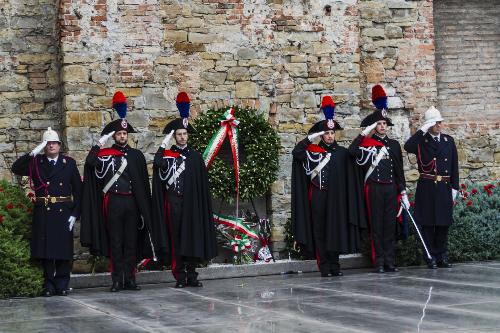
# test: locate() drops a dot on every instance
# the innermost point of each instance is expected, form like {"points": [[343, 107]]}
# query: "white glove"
{"points": [[71, 222], [313, 136], [368, 129], [404, 200], [425, 127], [454, 193], [38, 148], [165, 141], [105, 138]]}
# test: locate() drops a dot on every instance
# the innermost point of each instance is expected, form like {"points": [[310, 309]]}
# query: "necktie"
{"points": [[52, 163], [436, 139]]}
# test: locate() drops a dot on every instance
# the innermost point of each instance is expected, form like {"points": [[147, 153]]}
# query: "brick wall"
{"points": [[468, 81]]}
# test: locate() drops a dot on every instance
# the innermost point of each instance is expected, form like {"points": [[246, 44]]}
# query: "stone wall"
{"points": [[30, 87], [280, 56]]}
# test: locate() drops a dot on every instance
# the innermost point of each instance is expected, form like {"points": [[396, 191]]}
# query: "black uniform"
{"points": [[116, 224], [51, 239], [182, 202], [327, 211], [382, 188], [433, 198]]}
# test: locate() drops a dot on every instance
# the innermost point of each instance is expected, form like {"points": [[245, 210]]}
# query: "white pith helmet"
{"points": [[50, 135], [432, 115]]}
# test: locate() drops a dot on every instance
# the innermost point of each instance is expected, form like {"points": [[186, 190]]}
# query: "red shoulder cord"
{"points": [[426, 168], [34, 164]]}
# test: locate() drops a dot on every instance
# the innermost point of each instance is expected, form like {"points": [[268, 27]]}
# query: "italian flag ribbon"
{"points": [[236, 223], [240, 243], [228, 127]]}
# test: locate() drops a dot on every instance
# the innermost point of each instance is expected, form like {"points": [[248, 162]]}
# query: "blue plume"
{"points": [[381, 103], [121, 108], [183, 109], [329, 111]]}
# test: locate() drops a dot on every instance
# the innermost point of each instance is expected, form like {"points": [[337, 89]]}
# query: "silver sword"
{"points": [[418, 232]]}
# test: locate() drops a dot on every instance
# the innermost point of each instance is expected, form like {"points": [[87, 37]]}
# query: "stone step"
{"points": [[217, 271]]}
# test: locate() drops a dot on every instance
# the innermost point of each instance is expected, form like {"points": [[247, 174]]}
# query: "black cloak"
{"points": [[197, 234], [93, 233], [345, 216]]}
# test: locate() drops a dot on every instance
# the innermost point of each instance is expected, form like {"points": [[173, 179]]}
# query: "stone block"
{"points": [[31, 107], [10, 122], [238, 74], [214, 77], [189, 47], [35, 58], [13, 82], [130, 92], [246, 89], [175, 36], [393, 31], [303, 100], [75, 73], [373, 32], [246, 53], [200, 38], [83, 119], [296, 69], [189, 22]]}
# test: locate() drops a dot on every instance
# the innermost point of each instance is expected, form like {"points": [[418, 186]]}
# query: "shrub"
{"points": [[18, 276]]}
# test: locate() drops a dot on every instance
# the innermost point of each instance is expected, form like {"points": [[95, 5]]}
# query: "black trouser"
{"points": [[436, 239], [123, 217], [382, 201], [182, 267], [328, 261], [56, 274]]}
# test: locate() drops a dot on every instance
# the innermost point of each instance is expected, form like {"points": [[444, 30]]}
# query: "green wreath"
{"points": [[260, 143]]}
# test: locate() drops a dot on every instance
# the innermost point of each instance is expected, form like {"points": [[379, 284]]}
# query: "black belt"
{"points": [[48, 199], [435, 178]]}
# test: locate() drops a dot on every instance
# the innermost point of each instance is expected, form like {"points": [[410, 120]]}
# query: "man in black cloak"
{"points": [[327, 205], [182, 202], [116, 206], [381, 160]]}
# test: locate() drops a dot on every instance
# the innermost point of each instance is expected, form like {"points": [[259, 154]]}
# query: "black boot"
{"points": [[180, 284], [115, 287], [431, 264], [444, 264], [380, 269], [131, 285], [391, 268]]}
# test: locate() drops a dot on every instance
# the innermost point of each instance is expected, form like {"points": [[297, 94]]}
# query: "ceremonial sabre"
{"points": [[418, 232]]}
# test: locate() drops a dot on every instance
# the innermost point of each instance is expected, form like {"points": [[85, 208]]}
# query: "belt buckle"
{"points": [[53, 200], [439, 178]]}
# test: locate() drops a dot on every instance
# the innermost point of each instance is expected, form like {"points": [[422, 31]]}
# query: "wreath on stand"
{"points": [[247, 131]]}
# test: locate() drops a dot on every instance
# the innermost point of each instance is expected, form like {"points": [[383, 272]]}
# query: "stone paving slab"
{"points": [[465, 298]]}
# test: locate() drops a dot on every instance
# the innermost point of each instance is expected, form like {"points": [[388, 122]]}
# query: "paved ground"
{"points": [[463, 299]]}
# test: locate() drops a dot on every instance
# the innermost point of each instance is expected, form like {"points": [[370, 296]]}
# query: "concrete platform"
{"points": [[465, 298], [213, 272]]}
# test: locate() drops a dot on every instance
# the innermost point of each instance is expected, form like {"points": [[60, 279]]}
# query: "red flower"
{"points": [[412, 203], [10, 205], [1, 189], [29, 210], [490, 193], [463, 186], [1, 218], [469, 203], [465, 195], [474, 191], [31, 195]]}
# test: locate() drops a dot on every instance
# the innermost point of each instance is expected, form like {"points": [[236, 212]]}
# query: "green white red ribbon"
{"points": [[236, 223], [228, 127], [240, 243]]}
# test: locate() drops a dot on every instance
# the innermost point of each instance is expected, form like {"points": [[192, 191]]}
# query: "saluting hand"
{"points": [[105, 138], [313, 136], [166, 140], [369, 129], [425, 127], [38, 148]]}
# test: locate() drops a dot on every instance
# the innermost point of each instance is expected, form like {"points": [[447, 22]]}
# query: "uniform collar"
{"points": [[435, 136], [385, 139], [331, 147], [52, 159], [184, 151], [120, 148]]}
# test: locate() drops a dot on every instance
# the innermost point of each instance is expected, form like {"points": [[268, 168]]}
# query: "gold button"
{"points": [[48, 208], [60, 184], [60, 209], [445, 159], [434, 158], [48, 183], [446, 171]]}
